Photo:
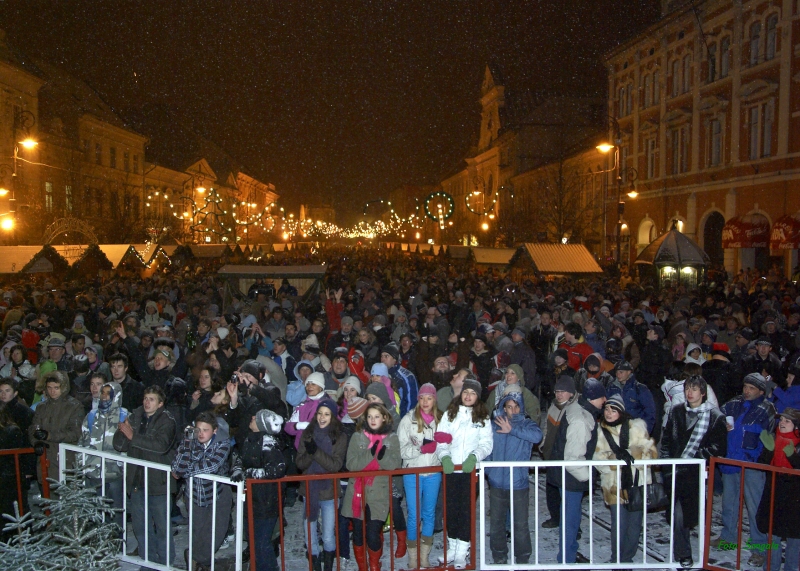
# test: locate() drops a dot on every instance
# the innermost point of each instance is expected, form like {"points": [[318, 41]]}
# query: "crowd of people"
{"points": [[405, 361]]}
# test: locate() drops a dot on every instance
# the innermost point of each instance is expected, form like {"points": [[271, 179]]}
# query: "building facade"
{"points": [[706, 117]]}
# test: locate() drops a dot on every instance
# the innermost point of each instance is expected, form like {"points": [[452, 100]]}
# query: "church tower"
{"points": [[492, 107]]}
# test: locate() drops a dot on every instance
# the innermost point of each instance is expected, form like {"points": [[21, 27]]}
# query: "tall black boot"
{"points": [[328, 557], [316, 561]]}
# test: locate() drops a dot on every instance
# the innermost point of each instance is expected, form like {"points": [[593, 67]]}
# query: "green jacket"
{"points": [[377, 495]]}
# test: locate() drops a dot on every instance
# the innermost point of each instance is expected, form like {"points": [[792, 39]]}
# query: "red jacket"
{"points": [[576, 354]]}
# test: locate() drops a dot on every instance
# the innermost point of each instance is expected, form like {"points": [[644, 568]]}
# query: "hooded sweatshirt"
{"points": [[97, 433]]}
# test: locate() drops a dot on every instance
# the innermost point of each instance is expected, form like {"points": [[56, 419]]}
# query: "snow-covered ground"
{"points": [[657, 542]]}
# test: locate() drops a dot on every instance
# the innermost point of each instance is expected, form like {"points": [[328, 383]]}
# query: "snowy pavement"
{"points": [[657, 539]]}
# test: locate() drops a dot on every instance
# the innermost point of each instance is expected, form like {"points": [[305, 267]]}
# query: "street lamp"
{"points": [[628, 172]]}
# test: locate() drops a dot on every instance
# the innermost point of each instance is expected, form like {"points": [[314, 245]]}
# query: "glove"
{"points": [[428, 447], [767, 440], [311, 446], [788, 449], [374, 448], [41, 434], [447, 465], [469, 464], [626, 456], [237, 476], [301, 425], [381, 453], [442, 437], [39, 447]]}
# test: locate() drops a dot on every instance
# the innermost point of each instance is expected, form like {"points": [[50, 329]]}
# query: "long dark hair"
{"points": [[479, 411], [335, 428]]}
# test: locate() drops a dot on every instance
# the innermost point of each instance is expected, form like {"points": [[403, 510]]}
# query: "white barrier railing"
{"points": [[485, 558], [144, 549]]}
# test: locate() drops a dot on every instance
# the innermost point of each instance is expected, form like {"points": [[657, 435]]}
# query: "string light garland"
{"points": [[480, 190]]}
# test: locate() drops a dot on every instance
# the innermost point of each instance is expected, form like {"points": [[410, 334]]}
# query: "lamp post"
{"points": [[605, 148], [23, 122]]}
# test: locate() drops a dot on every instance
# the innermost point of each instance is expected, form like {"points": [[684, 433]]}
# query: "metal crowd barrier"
{"points": [[772, 472], [487, 564], [17, 452], [144, 550], [306, 479]]}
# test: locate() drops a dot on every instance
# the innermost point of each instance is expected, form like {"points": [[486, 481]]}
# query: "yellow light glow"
{"points": [[687, 270], [28, 143], [285, 236], [201, 189], [624, 226], [604, 147], [186, 215], [633, 194], [491, 217], [484, 226], [476, 192], [416, 235], [7, 223], [3, 192], [669, 270]]}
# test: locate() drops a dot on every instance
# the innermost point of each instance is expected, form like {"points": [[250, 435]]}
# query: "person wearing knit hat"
{"points": [[639, 402], [621, 438], [354, 408], [322, 450], [565, 384], [594, 390], [304, 413], [380, 374], [417, 435], [469, 440], [752, 413], [379, 394], [514, 376], [268, 422]]}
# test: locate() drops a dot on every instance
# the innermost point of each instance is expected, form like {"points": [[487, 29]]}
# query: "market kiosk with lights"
{"points": [[673, 259]]}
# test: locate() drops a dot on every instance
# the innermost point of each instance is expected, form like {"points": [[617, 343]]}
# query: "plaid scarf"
{"points": [[701, 418]]}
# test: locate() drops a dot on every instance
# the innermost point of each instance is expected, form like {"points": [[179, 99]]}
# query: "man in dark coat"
{"points": [[695, 429], [765, 363], [722, 375], [523, 355]]}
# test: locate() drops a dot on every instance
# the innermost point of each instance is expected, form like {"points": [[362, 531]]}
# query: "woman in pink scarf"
{"points": [[373, 447]]}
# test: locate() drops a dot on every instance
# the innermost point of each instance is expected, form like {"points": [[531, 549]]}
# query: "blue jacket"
{"points": [[515, 446], [788, 397], [750, 418], [405, 383], [638, 400], [594, 341]]}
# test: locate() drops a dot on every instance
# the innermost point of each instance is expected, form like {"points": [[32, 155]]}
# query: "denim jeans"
{"points": [[792, 554], [264, 552], [429, 485], [630, 528], [156, 526], [499, 506], [753, 488], [328, 528], [114, 492], [570, 524]]}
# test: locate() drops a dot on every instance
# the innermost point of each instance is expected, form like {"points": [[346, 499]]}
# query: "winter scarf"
{"points": [[701, 417], [779, 458], [322, 437], [362, 483]]}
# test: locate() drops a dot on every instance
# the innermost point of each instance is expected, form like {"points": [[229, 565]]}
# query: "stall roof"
{"points": [[673, 248], [560, 258], [493, 256], [236, 271], [14, 258], [458, 252]]}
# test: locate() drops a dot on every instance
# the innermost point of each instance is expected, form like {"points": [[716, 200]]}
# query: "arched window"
{"points": [[772, 37], [755, 42]]}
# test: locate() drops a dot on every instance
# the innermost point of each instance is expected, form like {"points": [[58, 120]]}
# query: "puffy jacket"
{"points": [[260, 457], [62, 419], [638, 400], [788, 397], [640, 447], [515, 446], [377, 495], [152, 440], [576, 440], [411, 440], [302, 416], [750, 418], [468, 437], [97, 433], [405, 383]]}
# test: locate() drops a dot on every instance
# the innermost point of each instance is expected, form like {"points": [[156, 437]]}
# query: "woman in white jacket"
{"points": [[464, 437], [417, 434]]}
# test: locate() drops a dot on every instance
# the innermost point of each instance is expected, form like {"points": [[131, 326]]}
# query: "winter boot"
{"points": [[412, 554], [401, 545], [359, 552], [462, 554], [375, 559], [425, 545], [316, 562], [451, 553], [328, 558]]}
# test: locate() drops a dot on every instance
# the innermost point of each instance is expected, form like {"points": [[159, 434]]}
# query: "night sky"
{"points": [[332, 101]]}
